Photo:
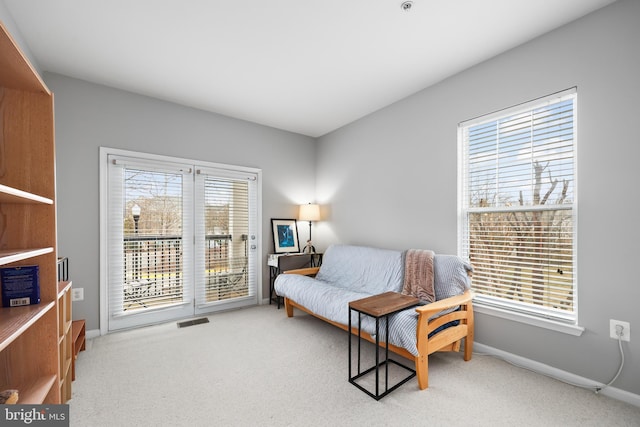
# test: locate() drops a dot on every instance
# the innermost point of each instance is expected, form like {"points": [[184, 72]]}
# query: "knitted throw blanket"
{"points": [[418, 275]]}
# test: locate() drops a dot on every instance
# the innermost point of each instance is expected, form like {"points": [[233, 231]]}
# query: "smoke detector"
{"points": [[406, 5]]}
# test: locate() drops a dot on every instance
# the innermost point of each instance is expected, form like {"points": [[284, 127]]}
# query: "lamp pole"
{"points": [[135, 212], [309, 212]]}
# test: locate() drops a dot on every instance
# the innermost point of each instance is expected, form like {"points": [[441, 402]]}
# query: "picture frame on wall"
{"points": [[285, 235]]}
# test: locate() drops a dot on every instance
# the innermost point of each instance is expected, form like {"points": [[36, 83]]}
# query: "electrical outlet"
{"points": [[626, 329], [77, 294]]}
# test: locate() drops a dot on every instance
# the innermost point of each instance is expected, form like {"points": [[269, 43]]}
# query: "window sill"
{"points": [[553, 325]]}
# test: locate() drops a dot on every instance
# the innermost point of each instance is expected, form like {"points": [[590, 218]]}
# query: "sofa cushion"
{"points": [[450, 276], [332, 303], [362, 269], [322, 298]]}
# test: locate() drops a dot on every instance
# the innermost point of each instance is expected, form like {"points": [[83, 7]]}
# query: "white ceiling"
{"points": [[307, 66]]}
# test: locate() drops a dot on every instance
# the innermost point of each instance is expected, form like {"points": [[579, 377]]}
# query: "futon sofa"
{"points": [[349, 273]]}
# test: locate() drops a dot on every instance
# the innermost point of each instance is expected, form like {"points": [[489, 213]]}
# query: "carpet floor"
{"points": [[256, 367]]}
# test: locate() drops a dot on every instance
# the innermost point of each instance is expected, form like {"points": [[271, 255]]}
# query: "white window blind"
{"points": [[517, 198], [149, 236], [225, 231]]}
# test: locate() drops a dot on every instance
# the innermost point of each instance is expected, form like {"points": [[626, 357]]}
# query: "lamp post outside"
{"points": [[135, 212]]}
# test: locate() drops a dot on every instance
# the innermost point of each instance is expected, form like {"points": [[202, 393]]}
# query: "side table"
{"points": [[379, 306]]}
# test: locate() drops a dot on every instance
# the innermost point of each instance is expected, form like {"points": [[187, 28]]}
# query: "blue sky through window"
{"points": [[504, 153]]}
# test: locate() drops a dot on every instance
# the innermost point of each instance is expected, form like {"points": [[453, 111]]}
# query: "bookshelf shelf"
{"points": [[16, 320], [13, 195], [36, 391], [63, 286], [9, 256]]}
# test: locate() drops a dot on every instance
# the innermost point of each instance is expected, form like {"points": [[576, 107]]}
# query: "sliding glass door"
{"points": [[181, 239]]}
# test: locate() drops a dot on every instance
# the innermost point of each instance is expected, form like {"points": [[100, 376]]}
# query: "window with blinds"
{"points": [[517, 198]]}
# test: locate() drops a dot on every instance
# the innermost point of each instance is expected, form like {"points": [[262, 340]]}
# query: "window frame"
{"points": [[502, 307]]}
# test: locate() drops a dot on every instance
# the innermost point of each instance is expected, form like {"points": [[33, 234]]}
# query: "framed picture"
{"points": [[285, 236]]}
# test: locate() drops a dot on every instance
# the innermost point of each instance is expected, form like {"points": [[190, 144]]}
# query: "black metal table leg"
{"points": [[377, 313]]}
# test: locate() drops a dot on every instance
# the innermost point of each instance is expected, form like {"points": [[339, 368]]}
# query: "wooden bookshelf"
{"points": [[79, 343], [65, 339], [30, 343]]}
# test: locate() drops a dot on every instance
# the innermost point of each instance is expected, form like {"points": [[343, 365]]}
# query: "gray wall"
{"points": [[10, 25], [391, 179], [89, 116]]}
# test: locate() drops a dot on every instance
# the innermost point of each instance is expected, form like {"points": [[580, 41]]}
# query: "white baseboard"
{"points": [[93, 333], [614, 393]]}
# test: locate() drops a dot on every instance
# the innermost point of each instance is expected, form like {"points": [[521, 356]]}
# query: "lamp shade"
{"points": [[309, 212]]}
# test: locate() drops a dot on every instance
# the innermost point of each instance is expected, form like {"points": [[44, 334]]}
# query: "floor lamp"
{"points": [[309, 212]]}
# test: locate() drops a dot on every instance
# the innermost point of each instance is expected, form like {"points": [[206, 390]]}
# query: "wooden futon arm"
{"points": [[438, 306], [311, 271]]}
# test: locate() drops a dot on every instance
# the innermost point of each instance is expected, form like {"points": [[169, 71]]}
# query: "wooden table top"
{"points": [[383, 304]]}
